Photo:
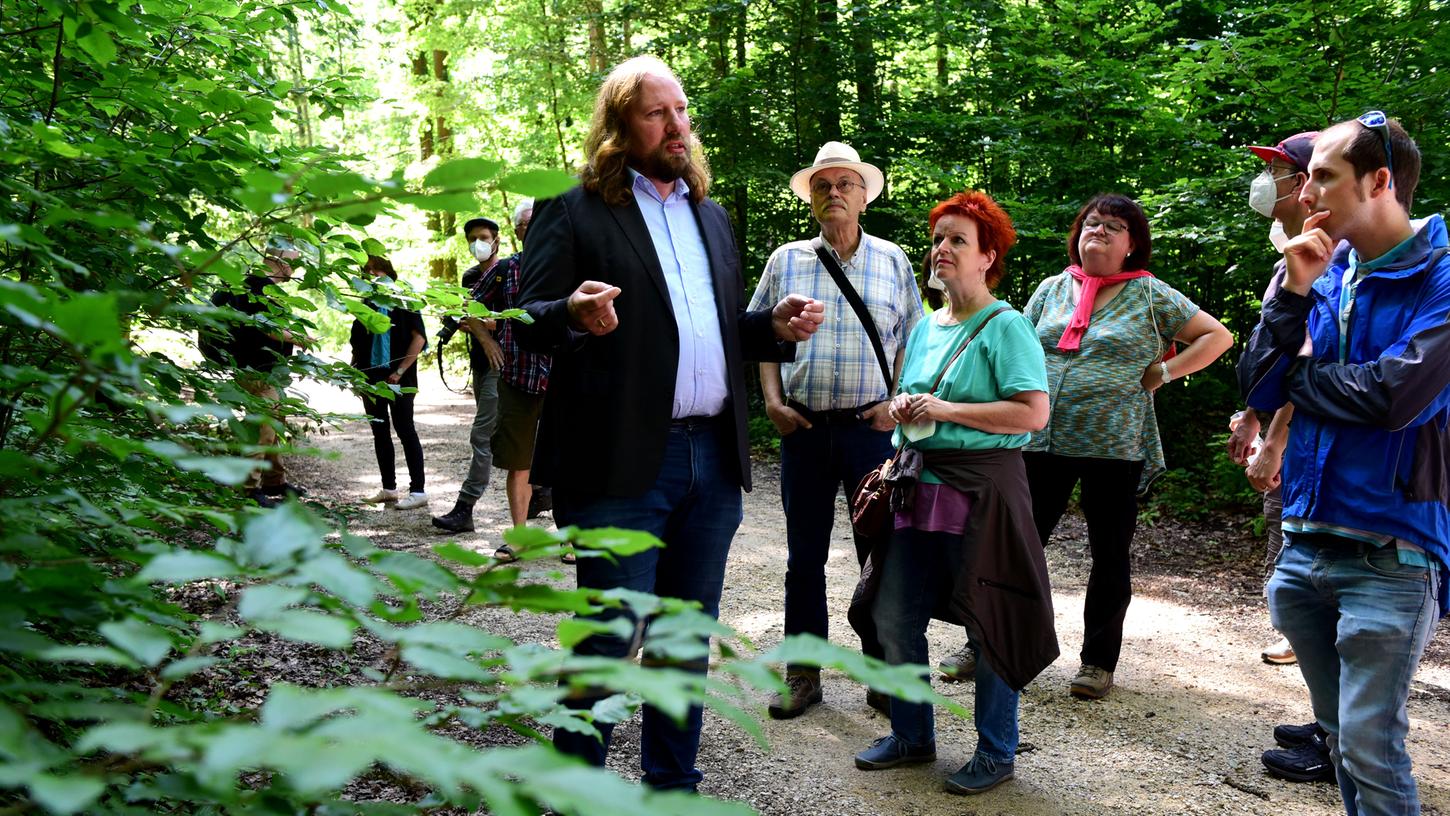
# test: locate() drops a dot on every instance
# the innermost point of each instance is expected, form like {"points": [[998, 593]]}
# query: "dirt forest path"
{"points": [[1181, 734]]}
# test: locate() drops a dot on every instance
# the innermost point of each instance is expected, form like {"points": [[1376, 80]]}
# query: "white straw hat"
{"points": [[837, 154]]}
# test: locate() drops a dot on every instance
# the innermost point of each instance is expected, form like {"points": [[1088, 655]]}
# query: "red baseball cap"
{"points": [[1295, 150]]}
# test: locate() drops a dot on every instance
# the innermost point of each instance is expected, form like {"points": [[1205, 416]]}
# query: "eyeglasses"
{"points": [[1113, 227], [1379, 123], [822, 188]]}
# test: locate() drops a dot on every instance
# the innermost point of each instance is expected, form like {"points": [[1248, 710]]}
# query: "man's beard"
{"points": [[665, 166]]}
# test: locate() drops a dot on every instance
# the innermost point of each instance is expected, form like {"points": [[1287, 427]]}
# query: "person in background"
{"points": [[486, 359], [523, 379], [1108, 328], [1303, 752], [255, 348], [1356, 340], [391, 357], [973, 389]]}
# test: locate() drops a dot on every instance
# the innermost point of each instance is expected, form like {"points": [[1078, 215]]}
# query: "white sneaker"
{"points": [[1279, 654], [412, 501], [383, 496]]}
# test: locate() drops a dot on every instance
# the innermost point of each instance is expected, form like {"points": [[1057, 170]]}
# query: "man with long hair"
{"points": [[633, 281]]}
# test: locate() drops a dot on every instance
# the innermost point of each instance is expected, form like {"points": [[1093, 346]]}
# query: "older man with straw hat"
{"points": [[830, 404]]}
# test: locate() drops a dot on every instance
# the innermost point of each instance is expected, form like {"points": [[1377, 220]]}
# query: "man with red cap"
{"points": [[1303, 755]]}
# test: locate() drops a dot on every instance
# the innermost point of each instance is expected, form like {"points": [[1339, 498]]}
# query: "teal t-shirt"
{"points": [[1004, 360]]}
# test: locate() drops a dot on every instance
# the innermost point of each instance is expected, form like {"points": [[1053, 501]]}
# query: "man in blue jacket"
{"points": [[1358, 339]]}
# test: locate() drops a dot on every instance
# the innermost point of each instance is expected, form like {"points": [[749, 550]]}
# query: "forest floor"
{"points": [[1181, 733]]}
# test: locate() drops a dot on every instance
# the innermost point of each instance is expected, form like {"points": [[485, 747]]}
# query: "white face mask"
{"points": [[482, 250], [1277, 236], [933, 282], [1263, 193]]}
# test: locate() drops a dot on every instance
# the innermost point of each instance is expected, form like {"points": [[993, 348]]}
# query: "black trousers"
{"points": [[1109, 504], [400, 407]]}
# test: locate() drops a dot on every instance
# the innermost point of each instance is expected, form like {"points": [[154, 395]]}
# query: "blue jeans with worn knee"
{"points": [[910, 586], [695, 508], [1358, 620]]}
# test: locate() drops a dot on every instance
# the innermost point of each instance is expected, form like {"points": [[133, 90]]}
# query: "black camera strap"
{"points": [[475, 292], [442, 378]]}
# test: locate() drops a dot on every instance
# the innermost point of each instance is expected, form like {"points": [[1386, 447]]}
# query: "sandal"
{"points": [[569, 557], [505, 554]]}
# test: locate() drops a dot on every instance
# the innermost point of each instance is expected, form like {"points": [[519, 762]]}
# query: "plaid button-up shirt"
{"points": [[524, 370], [837, 367]]}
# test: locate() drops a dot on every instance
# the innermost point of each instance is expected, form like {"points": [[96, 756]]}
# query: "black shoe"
{"points": [[1293, 736], [457, 520], [542, 500], [879, 700], [888, 752], [285, 489], [262, 499], [1307, 763]]}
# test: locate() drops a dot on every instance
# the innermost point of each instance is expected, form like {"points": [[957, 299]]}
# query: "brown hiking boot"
{"points": [[803, 691], [959, 666]]}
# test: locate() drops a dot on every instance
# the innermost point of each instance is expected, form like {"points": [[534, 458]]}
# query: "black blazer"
{"points": [[607, 414]]}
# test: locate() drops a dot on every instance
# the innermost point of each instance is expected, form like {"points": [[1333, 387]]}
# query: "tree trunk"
{"points": [[598, 45], [435, 138], [818, 104]]}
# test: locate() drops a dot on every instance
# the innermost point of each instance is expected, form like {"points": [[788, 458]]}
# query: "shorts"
{"points": [[518, 425]]}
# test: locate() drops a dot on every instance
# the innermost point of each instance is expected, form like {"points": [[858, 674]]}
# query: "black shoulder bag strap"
{"points": [[857, 305]]}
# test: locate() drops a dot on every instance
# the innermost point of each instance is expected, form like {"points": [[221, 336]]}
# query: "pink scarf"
{"points": [[1071, 339]]}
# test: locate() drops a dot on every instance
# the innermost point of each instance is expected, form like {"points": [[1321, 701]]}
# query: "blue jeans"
{"points": [[695, 508], [910, 587], [1358, 620], [815, 463]]}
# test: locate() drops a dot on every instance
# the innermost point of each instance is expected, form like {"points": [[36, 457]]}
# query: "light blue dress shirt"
{"points": [[700, 383]]}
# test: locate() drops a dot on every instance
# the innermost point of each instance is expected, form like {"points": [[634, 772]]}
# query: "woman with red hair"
{"points": [[973, 389]]}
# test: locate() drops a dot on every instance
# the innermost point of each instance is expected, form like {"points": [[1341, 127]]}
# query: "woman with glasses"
{"points": [[1108, 329], [966, 550]]}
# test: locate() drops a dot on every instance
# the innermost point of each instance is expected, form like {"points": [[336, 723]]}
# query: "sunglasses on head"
{"points": [[1379, 123]]}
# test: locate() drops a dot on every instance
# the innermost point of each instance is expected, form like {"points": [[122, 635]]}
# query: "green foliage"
{"points": [[1208, 484]]}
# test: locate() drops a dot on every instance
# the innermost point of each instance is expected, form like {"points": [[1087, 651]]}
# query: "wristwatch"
{"points": [[1167, 376]]}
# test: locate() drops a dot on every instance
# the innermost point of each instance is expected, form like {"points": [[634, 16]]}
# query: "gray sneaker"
{"points": [[1091, 683], [959, 666]]}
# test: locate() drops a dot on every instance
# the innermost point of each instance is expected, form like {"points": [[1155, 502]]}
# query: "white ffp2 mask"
{"points": [[1263, 193]]}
